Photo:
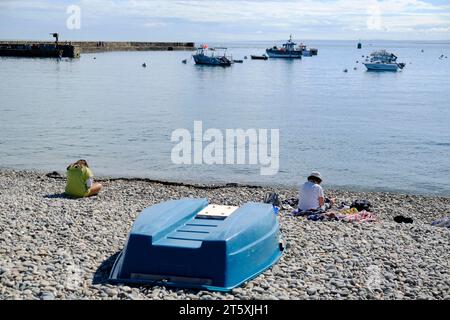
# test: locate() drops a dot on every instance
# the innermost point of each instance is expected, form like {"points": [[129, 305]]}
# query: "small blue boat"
{"points": [[212, 56], [189, 243]]}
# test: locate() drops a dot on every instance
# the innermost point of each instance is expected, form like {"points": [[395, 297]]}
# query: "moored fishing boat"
{"points": [[190, 243], [307, 52], [212, 56], [287, 51]]}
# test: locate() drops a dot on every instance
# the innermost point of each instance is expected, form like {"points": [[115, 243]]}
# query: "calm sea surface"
{"points": [[362, 130]]}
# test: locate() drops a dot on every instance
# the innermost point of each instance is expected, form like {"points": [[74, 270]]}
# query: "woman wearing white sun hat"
{"points": [[311, 195]]}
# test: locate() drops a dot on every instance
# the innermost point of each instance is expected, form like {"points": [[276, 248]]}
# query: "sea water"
{"points": [[361, 130]]}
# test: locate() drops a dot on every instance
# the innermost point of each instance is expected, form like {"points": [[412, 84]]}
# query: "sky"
{"points": [[225, 20]]}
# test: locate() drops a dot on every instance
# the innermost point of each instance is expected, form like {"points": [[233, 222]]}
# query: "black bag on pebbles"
{"points": [[361, 205], [272, 198]]}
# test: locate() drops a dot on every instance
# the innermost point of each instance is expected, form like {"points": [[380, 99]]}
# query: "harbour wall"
{"points": [[101, 46], [73, 49]]}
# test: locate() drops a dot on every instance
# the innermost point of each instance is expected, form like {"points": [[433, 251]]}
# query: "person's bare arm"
{"points": [[321, 201]]}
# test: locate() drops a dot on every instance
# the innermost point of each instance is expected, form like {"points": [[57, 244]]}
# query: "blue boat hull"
{"points": [[211, 61], [169, 245], [273, 53]]}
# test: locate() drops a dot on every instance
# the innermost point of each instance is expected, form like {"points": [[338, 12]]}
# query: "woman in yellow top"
{"points": [[80, 180]]}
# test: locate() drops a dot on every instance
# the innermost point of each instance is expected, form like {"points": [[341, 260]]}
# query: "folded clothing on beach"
{"points": [[315, 217], [291, 202], [359, 216], [357, 212], [306, 213], [348, 211], [326, 216], [443, 222]]}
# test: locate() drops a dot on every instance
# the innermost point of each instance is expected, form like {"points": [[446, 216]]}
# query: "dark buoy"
{"points": [[345, 70], [95, 58], [359, 45], [355, 68], [422, 50], [245, 57], [184, 61], [144, 65]]}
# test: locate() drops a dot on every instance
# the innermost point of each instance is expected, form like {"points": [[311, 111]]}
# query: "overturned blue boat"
{"points": [[189, 243]]}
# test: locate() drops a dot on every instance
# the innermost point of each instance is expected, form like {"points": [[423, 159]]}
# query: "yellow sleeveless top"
{"points": [[76, 181]]}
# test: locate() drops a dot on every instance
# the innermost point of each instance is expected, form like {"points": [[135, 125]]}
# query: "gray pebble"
{"points": [[53, 249]]}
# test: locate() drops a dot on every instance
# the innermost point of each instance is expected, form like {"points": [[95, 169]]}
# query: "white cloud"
{"points": [[335, 16], [282, 13]]}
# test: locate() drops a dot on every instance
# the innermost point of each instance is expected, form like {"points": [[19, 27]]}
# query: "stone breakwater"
{"points": [[103, 46], [53, 247], [92, 46]]}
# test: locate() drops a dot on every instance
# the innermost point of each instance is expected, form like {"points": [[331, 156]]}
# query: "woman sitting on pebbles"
{"points": [[80, 180], [311, 197]]}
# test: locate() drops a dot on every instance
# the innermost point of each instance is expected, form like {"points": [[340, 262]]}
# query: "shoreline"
{"points": [[54, 247], [204, 185]]}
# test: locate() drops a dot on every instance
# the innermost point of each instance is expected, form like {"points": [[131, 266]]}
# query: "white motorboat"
{"points": [[383, 61]]}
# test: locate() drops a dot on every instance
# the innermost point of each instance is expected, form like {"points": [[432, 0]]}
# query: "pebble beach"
{"points": [[54, 247]]}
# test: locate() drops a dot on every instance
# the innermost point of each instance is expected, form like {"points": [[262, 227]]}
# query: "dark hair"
{"points": [[78, 164], [314, 179]]}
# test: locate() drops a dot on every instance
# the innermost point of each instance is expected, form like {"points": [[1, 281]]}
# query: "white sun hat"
{"points": [[316, 174]]}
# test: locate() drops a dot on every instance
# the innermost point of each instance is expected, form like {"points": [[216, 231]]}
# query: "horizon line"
{"points": [[184, 41]]}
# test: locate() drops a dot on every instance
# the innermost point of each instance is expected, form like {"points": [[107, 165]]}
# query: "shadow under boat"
{"points": [[101, 275]]}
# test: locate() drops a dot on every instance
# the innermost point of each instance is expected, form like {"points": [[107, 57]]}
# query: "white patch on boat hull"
{"points": [[215, 211]]}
